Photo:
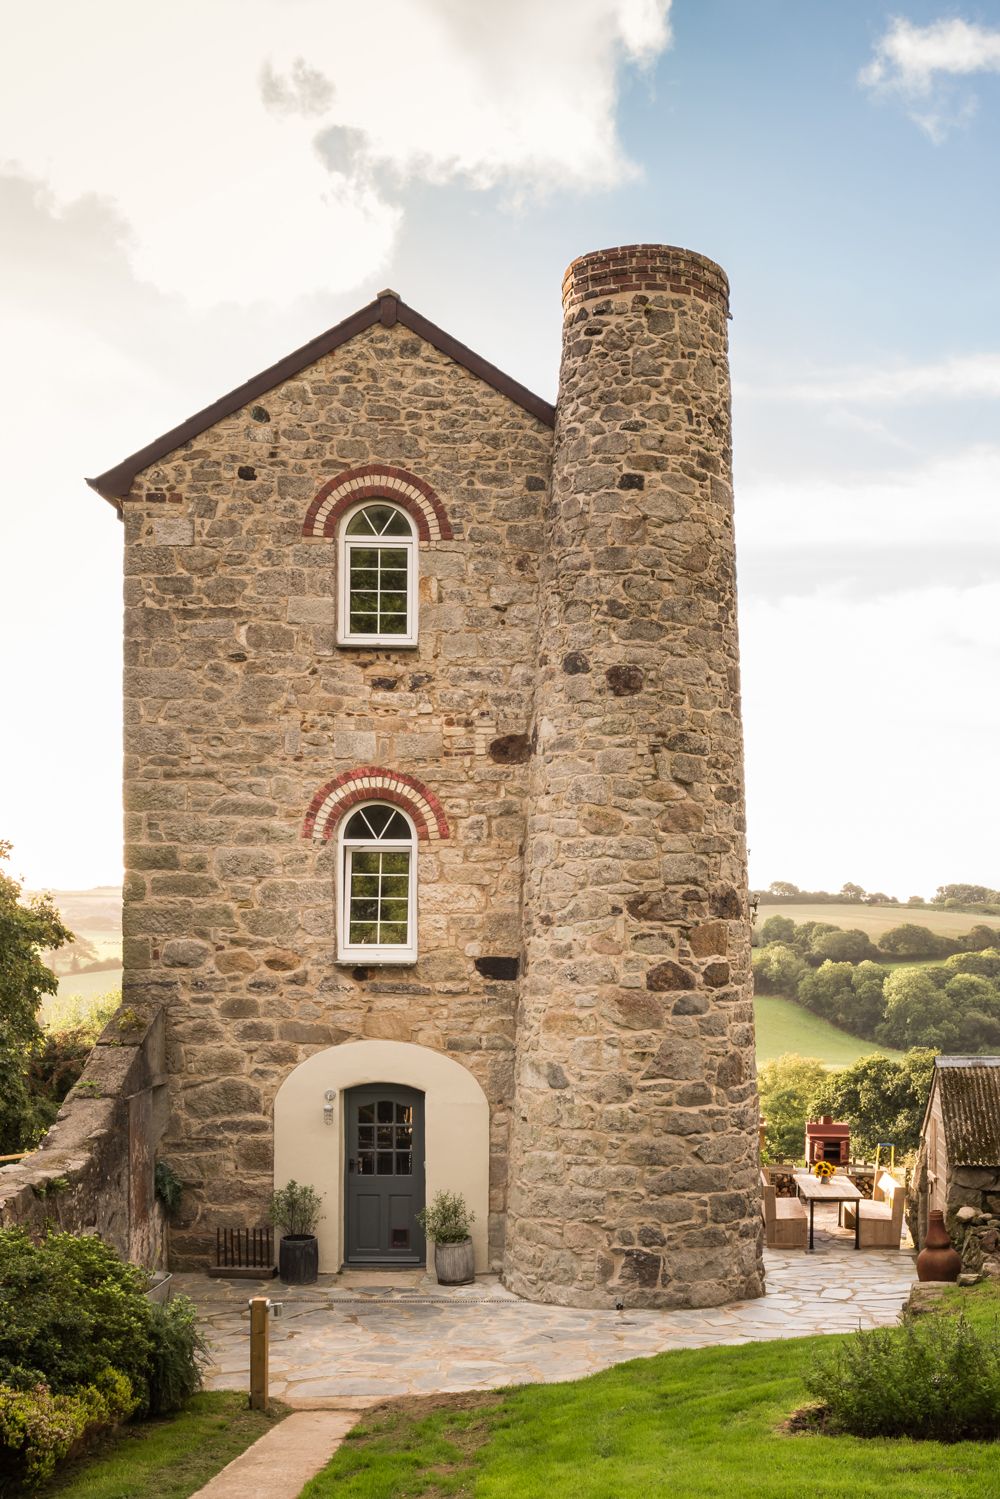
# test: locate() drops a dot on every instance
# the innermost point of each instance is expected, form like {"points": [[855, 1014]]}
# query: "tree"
{"points": [[782, 887], [851, 946], [776, 929], [852, 892], [26, 930], [918, 1012], [786, 1088], [912, 941], [777, 969], [880, 1099], [829, 991], [966, 895], [978, 938]]}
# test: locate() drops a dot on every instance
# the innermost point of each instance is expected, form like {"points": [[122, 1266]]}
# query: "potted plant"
{"points": [[447, 1221], [295, 1210]]}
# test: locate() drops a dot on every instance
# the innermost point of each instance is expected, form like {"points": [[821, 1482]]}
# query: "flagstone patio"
{"points": [[369, 1335]]}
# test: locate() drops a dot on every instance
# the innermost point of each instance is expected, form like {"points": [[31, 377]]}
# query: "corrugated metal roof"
{"points": [[970, 1108]]}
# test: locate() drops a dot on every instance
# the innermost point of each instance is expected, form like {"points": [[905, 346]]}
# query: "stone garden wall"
{"points": [[93, 1172], [972, 1217]]}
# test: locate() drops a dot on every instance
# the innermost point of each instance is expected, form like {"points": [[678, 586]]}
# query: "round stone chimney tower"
{"points": [[634, 1149]]}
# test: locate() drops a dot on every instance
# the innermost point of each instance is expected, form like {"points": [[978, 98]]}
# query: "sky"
{"points": [[187, 194]]}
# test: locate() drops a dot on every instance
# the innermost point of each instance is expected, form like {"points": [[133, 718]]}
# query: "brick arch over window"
{"points": [[372, 783], [378, 481]]}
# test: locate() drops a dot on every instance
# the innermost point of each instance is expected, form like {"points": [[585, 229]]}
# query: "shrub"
{"points": [[179, 1355], [296, 1209], [69, 1310], [937, 1380], [168, 1187], [447, 1220], [38, 1429]]}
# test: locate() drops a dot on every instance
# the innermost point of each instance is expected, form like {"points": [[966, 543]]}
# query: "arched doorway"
{"points": [[313, 1129]]}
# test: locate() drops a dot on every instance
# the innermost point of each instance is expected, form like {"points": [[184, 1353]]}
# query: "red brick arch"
{"points": [[377, 481], [373, 783]]}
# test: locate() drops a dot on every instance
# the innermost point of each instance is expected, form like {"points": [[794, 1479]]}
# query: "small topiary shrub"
{"points": [[39, 1429], [296, 1209], [179, 1355], [936, 1380], [447, 1220]]}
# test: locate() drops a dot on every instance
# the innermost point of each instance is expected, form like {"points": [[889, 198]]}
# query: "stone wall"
{"points": [[972, 1217], [634, 1157], [240, 707], [93, 1173]]}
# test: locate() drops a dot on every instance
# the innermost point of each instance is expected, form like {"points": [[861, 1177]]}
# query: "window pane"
{"points": [[395, 887], [384, 1163], [390, 935], [395, 862], [404, 1113], [366, 1113], [404, 1137], [363, 624], [395, 911], [397, 826], [384, 1111], [363, 862], [366, 1135], [404, 1164], [363, 934], [360, 524], [366, 1163], [385, 1139]]}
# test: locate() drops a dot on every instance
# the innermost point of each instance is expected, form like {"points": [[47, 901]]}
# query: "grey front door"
{"points": [[384, 1176]]}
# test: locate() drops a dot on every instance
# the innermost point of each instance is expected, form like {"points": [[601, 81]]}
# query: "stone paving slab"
{"points": [[284, 1459], [356, 1335]]}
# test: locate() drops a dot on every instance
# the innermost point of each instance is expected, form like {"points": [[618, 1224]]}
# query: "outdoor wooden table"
{"points": [[837, 1189]]}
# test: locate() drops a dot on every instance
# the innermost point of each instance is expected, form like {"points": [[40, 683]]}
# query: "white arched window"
{"points": [[378, 886], [377, 573]]}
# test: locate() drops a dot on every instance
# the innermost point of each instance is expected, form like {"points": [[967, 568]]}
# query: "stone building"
{"points": [[958, 1162], [434, 809]]}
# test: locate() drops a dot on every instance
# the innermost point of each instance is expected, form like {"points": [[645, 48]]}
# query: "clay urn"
{"points": [[938, 1260]]}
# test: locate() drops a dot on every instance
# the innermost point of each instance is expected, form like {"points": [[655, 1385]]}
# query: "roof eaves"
{"points": [[115, 484]]}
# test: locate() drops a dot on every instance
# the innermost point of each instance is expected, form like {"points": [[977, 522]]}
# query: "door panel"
{"points": [[385, 1175]]}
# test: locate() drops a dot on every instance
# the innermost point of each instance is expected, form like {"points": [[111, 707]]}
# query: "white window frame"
{"points": [[345, 544], [369, 955]]}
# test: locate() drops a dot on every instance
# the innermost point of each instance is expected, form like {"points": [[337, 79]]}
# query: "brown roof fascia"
{"points": [[114, 485]]}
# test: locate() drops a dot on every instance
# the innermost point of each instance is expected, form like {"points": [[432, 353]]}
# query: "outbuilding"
{"points": [[958, 1165]]}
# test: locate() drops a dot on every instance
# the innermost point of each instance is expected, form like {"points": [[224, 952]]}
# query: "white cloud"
{"points": [[955, 379], [870, 728], [917, 62], [211, 134], [947, 500]]}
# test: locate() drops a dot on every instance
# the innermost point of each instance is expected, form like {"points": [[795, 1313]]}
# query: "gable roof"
{"points": [[970, 1108], [386, 309]]}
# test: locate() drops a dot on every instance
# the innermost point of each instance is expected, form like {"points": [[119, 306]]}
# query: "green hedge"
{"points": [[39, 1429]]}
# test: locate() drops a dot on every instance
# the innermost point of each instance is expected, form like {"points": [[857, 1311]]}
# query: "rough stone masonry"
{"points": [[569, 722]]}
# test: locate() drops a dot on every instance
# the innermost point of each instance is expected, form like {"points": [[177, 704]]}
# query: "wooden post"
{"points": [[258, 1352]]}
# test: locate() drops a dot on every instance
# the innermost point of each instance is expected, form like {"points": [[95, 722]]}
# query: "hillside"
{"points": [[783, 1026], [877, 919]]}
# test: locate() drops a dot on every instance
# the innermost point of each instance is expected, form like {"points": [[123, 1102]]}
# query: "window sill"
{"points": [[374, 957], [377, 642]]}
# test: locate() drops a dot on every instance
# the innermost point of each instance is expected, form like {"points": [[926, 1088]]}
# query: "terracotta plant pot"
{"points": [[938, 1260], [455, 1264], [298, 1259]]}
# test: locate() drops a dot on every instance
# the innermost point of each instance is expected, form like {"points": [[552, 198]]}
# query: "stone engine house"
{"points": [[434, 808]]}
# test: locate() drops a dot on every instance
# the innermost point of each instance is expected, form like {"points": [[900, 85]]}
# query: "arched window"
{"points": [[378, 886], [377, 577]]}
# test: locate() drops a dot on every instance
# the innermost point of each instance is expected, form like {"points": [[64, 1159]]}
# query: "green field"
{"points": [[878, 919], [784, 1026], [89, 984]]}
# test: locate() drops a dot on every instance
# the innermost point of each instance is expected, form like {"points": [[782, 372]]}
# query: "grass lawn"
{"points": [[690, 1425], [783, 1026], [878, 919], [170, 1458]]}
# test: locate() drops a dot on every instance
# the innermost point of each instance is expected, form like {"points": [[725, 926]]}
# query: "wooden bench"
{"points": [[786, 1222], [882, 1218]]}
